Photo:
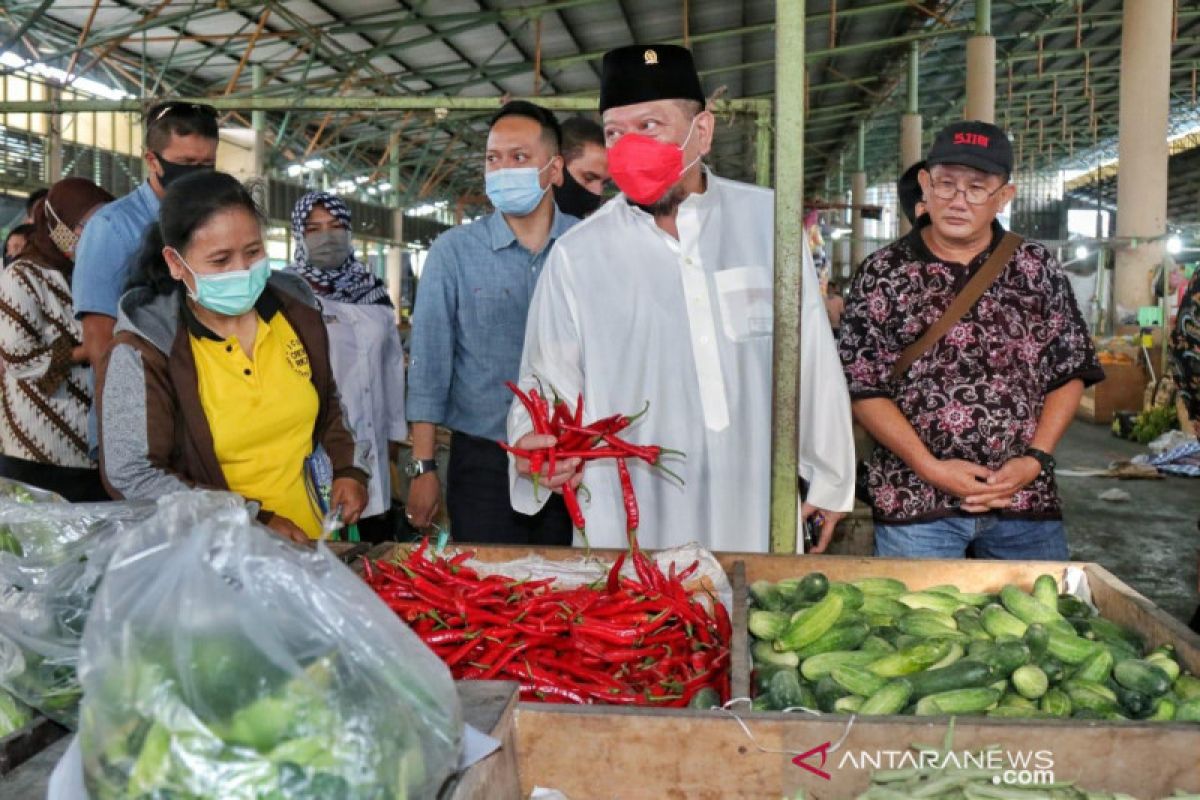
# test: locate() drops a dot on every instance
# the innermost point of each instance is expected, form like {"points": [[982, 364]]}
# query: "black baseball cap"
{"points": [[975, 144]]}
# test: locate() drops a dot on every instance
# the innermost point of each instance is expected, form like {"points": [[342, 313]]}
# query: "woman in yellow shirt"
{"points": [[218, 376]]}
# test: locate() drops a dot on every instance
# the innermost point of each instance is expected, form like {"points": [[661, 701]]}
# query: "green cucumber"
{"points": [[1166, 663], [842, 636], [926, 623], [884, 606], [828, 691], [857, 680], [1107, 630], [768, 625], [890, 699], [1134, 703], [705, 699], [1071, 606], [1054, 669], [958, 701], [784, 690], [956, 652], [997, 621], [852, 596], [932, 601], [1187, 687], [1030, 682], [1004, 657], [910, 659], [1090, 696], [1056, 702], [760, 703], [976, 599], [1164, 710], [1012, 699], [810, 624], [819, 666], [881, 587], [850, 704], [1045, 591], [1096, 667], [764, 653], [971, 624], [877, 644], [1070, 649], [1142, 676], [1037, 638], [1188, 710], [1027, 608], [767, 596], [812, 587], [1019, 712], [964, 674]]}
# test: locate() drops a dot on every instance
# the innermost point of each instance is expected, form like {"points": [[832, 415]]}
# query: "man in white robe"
{"points": [[665, 295]]}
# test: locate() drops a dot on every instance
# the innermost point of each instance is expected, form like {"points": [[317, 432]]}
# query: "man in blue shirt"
{"points": [[468, 331], [180, 138]]}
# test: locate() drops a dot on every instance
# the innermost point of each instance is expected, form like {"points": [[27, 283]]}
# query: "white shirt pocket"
{"points": [[745, 295]]}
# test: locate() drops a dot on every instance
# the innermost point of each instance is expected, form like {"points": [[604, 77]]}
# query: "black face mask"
{"points": [[172, 172], [572, 198]]}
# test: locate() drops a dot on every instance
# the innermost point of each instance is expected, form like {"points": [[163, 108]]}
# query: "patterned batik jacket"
{"points": [[977, 394]]}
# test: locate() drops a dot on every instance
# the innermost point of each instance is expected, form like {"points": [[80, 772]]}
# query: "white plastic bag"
{"points": [[51, 560], [222, 661]]}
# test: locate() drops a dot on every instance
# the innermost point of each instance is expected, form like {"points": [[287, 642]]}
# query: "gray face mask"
{"points": [[328, 249]]}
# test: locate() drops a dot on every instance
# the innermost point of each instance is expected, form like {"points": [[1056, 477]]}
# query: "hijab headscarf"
{"points": [[351, 282], [54, 219]]}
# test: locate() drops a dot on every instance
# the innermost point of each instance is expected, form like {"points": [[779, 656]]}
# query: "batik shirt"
{"points": [[976, 395], [1185, 348]]}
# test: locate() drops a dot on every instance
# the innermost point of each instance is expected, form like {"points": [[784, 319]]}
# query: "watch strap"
{"points": [[1043, 458]]}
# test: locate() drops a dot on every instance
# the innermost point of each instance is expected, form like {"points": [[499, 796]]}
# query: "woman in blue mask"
{"points": [[368, 360], [219, 377]]}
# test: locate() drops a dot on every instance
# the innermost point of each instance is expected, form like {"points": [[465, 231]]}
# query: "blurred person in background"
{"points": [[15, 242], [218, 376], [835, 306], [31, 202], [44, 392], [364, 345], [1185, 366], [586, 173]]}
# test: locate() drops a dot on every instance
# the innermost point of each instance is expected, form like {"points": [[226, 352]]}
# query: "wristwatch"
{"points": [[417, 467], [1045, 459]]}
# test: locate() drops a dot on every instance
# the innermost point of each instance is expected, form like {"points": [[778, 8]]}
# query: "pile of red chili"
{"points": [[588, 443], [647, 641]]}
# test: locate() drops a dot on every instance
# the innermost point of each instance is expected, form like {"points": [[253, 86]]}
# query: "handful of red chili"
{"points": [[647, 641], [588, 443]]}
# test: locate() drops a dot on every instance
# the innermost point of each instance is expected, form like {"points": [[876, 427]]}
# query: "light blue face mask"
{"points": [[516, 190], [230, 293]]}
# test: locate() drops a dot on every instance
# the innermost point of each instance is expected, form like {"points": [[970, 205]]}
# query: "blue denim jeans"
{"points": [[1015, 539]]}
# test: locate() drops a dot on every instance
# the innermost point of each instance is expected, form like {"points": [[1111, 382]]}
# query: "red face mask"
{"points": [[645, 168]]}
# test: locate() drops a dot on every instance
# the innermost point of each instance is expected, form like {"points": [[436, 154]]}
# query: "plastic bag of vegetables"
{"points": [[222, 661], [48, 576]]}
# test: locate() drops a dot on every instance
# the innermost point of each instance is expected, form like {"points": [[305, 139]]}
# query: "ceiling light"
{"points": [[1081, 253], [1174, 245]]}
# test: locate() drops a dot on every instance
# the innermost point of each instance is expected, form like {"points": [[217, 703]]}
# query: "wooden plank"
{"points": [[490, 706], [643, 753], [739, 650], [27, 741], [1120, 603]]}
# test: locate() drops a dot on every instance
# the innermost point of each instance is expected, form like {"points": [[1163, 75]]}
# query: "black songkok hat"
{"points": [[643, 73]]}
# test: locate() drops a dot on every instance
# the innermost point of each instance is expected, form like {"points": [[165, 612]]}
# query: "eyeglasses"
{"points": [[190, 108], [946, 189]]}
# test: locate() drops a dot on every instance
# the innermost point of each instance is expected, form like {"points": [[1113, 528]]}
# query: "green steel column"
{"points": [[983, 17], [762, 148], [914, 65], [861, 154], [258, 121], [394, 169], [858, 189], [789, 254]]}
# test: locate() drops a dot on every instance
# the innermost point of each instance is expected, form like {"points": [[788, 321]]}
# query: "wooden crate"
{"points": [[24, 743], [1123, 389], [632, 753]]}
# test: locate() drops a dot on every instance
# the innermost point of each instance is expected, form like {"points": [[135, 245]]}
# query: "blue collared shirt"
{"points": [[469, 324], [106, 253]]}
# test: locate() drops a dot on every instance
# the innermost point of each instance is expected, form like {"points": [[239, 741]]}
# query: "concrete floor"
{"points": [[1150, 542]]}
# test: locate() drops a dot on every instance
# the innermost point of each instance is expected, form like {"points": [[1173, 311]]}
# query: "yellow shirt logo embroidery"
{"points": [[297, 358], [651, 58]]}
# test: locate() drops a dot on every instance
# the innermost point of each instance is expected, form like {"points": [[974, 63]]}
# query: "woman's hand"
{"points": [[289, 530], [351, 496]]}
